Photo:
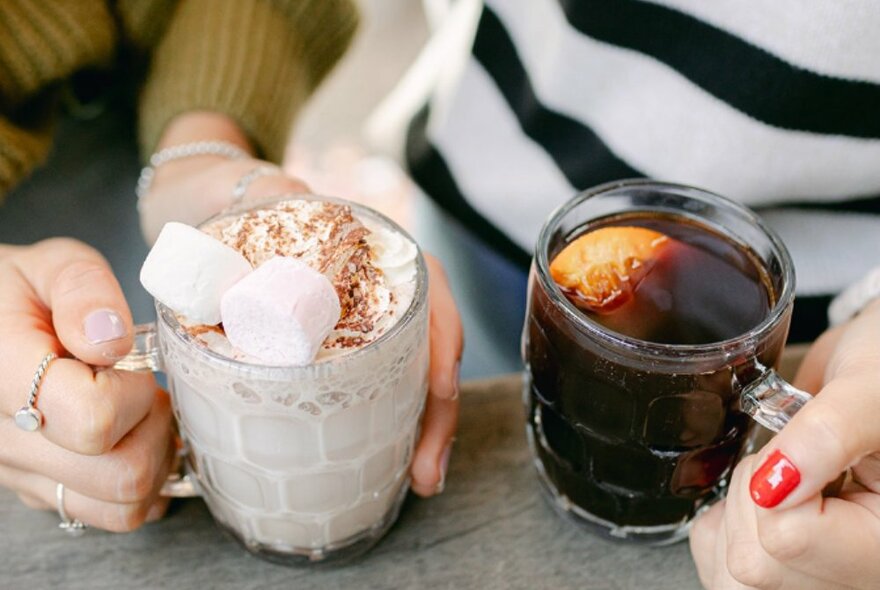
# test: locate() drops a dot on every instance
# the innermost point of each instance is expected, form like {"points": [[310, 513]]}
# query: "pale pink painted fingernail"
{"points": [[444, 465], [103, 325]]}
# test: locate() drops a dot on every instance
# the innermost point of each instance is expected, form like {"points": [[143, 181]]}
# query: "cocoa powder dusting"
{"points": [[331, 240], [196, 331]]}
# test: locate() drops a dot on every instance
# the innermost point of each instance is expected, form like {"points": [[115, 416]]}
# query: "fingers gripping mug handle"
{"points": [[771, 401], [145, 356]]}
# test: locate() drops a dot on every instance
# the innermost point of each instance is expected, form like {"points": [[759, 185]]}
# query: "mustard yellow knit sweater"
{"points": [[254, 60]]}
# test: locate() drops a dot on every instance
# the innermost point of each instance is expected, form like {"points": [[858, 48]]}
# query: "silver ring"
{"points": [[29, 418], [71, 526], [248, 178]]}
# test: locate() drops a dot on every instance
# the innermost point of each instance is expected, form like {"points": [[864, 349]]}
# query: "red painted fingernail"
{"points": [[774, 480]]}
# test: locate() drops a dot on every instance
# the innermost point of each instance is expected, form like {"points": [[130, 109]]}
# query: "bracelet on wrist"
{"points": [[185, 150]]}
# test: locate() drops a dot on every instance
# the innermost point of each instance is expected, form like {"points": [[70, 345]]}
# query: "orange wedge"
{"points": [[602, 268]]}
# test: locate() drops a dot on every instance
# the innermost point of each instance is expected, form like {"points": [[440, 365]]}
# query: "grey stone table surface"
{"points": [[490, 529]]}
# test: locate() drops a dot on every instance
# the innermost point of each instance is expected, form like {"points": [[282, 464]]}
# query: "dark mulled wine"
{"points": [[623, 440]]}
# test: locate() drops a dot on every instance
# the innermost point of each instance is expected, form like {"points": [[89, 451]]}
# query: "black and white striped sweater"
{"points": [[776, 104]]}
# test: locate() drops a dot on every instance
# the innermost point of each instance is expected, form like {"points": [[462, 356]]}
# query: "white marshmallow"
{"points": [[188, 271], [281, 313]]}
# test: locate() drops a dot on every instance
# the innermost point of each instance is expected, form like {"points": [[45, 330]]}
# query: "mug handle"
{"points": [[770, 400], [145, 356]]}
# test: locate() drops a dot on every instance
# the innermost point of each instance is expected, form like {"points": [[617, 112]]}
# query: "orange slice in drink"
{"points": [[602, 268]]}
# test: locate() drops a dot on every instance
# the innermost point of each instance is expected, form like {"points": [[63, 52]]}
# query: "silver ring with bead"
{"points": [[29, 418], [71, 526]]}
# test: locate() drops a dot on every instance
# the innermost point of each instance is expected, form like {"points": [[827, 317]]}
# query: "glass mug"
{"points": [[299, 464], [633, 438]]}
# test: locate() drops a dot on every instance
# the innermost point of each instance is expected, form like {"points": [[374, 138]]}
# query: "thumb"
{"points": [[834, 430], [89, 312]]}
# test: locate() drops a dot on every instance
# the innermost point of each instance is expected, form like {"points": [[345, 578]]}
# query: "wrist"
{"points": [[192, 127], [195, 126], [171, 172]]}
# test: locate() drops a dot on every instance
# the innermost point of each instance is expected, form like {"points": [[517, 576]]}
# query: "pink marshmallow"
{"points": [[280, 313]]}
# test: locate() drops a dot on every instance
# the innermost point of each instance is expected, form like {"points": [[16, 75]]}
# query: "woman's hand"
{"points": [[193, 189], [107, 435], [441, 410], [806, 541]]}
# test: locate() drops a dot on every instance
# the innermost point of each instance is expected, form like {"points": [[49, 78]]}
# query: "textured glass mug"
{"points": [[633, 438], [299, 464]]}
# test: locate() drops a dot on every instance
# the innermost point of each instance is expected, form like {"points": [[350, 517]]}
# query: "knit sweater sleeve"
{"points": [[253, 60], [42, 44]]}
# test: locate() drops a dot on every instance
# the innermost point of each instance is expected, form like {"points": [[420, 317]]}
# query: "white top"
{"points": [[775, 104]]}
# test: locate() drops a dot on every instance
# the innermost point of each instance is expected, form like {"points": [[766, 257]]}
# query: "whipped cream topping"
{"points": [[393, 254], [371, 266]]}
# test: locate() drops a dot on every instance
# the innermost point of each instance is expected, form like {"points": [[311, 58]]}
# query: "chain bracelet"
{"points": [[185, 150]]}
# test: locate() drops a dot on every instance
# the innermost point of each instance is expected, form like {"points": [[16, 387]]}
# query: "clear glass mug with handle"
{"points": [[299, 464], [633, 438]]}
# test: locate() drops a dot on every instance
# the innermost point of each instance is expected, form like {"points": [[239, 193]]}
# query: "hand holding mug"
{"points": [[212, 178], [775, 529], [107, 435], [193, 189]]}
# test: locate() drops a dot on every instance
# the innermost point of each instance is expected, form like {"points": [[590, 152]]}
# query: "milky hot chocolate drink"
{"points": [[307, 461]]}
